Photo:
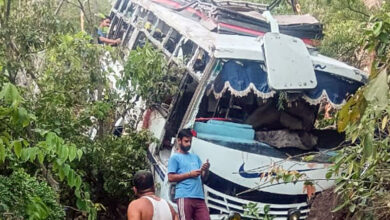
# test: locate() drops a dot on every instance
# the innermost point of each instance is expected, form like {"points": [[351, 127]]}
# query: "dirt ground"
{"points": [[322, 206]]}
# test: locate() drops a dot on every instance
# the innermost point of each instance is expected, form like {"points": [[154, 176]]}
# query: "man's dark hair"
{"points": [[105, 17], [185, 132], [143, 180]]}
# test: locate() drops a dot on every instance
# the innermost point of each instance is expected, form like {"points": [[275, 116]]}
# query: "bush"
{"points": [[23, 196], [109, 165]]}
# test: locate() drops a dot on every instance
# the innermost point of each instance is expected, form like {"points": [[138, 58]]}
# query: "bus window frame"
{"points": [[123, 8], [129, 32], [113, 26], [129, 19], [164, 25], [138, 19], [193, 108], [118, 4], [181, 43]]}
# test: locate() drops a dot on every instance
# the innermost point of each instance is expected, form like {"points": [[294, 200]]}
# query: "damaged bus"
{"points": [[252, 89]]}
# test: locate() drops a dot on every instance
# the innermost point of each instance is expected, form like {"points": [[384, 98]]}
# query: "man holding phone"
{"points": [[187, 170]]}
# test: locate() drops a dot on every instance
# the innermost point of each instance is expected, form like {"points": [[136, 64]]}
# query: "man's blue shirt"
{"points": [[100, 33], [183, 163]]}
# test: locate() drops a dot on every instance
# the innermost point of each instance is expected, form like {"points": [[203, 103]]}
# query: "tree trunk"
{"points": [[8, 11]]}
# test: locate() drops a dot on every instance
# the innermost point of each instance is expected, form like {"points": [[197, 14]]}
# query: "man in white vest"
{"points": [[148, 206]]}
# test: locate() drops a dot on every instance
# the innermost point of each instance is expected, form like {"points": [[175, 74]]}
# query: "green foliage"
{"points": [[378, 38], [362, 168], [27, 32], [72, 77], [23, 145], [93, 9], [111, 162], [343, 27], [42, 121], [252, 210], [148, 74], [23, 196]]}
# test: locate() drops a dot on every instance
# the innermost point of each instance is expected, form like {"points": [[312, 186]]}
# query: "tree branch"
{"points": [[74, 209], [275, 184], [49, 177], [59, 7], [356, 11], [83, 10]]}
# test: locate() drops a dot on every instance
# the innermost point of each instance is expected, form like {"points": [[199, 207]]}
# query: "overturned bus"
{"points": [[252, 89]]}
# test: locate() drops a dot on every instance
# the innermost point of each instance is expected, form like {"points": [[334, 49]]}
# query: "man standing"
{"points": [[187, 170], [102, 33], [148, 206]]}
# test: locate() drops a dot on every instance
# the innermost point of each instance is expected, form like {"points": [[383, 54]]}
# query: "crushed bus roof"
{"points": [[238, 46]]}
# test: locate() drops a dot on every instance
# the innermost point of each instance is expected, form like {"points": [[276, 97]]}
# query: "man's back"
{"points": [[150, 208]]}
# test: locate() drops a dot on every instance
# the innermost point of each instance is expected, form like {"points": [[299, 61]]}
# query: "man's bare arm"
{"points": [[174, 177], [175, 216], [109, 41], [133, 212]]}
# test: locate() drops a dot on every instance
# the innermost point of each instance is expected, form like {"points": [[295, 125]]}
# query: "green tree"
{"points": [[41, 202], [362, 168], [54, 90]]}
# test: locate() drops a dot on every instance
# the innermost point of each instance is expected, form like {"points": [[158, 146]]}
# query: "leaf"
{"points": [[71, 178], [368, 148], [23, 117], [329, 175], [338, 208], [78, 182], [79, 153], [377, 91], [41, 157], [66, 169], [289, 178], [267, 208], [72, 152], [350, 168], [77, 193], [51, 140], [377, 28], [308, 158], [10, 94], [33, 154], [343, 116], [17, 148], [352, 208], [2, 152], [81, 204], [63, 152], [25, 154], [354, 136], [61, 174], [384, 122]]}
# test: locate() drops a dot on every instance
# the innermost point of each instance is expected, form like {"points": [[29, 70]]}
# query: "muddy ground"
{"points": [[322, 206]]}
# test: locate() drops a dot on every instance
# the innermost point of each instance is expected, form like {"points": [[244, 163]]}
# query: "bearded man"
{"points": [[187, 170]]}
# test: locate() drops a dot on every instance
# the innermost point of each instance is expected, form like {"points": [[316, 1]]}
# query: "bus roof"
{"points": [[227, 46]]}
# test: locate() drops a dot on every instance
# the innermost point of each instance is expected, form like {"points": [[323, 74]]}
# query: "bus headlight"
{"points": [[234, 216], [293, 214]]}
